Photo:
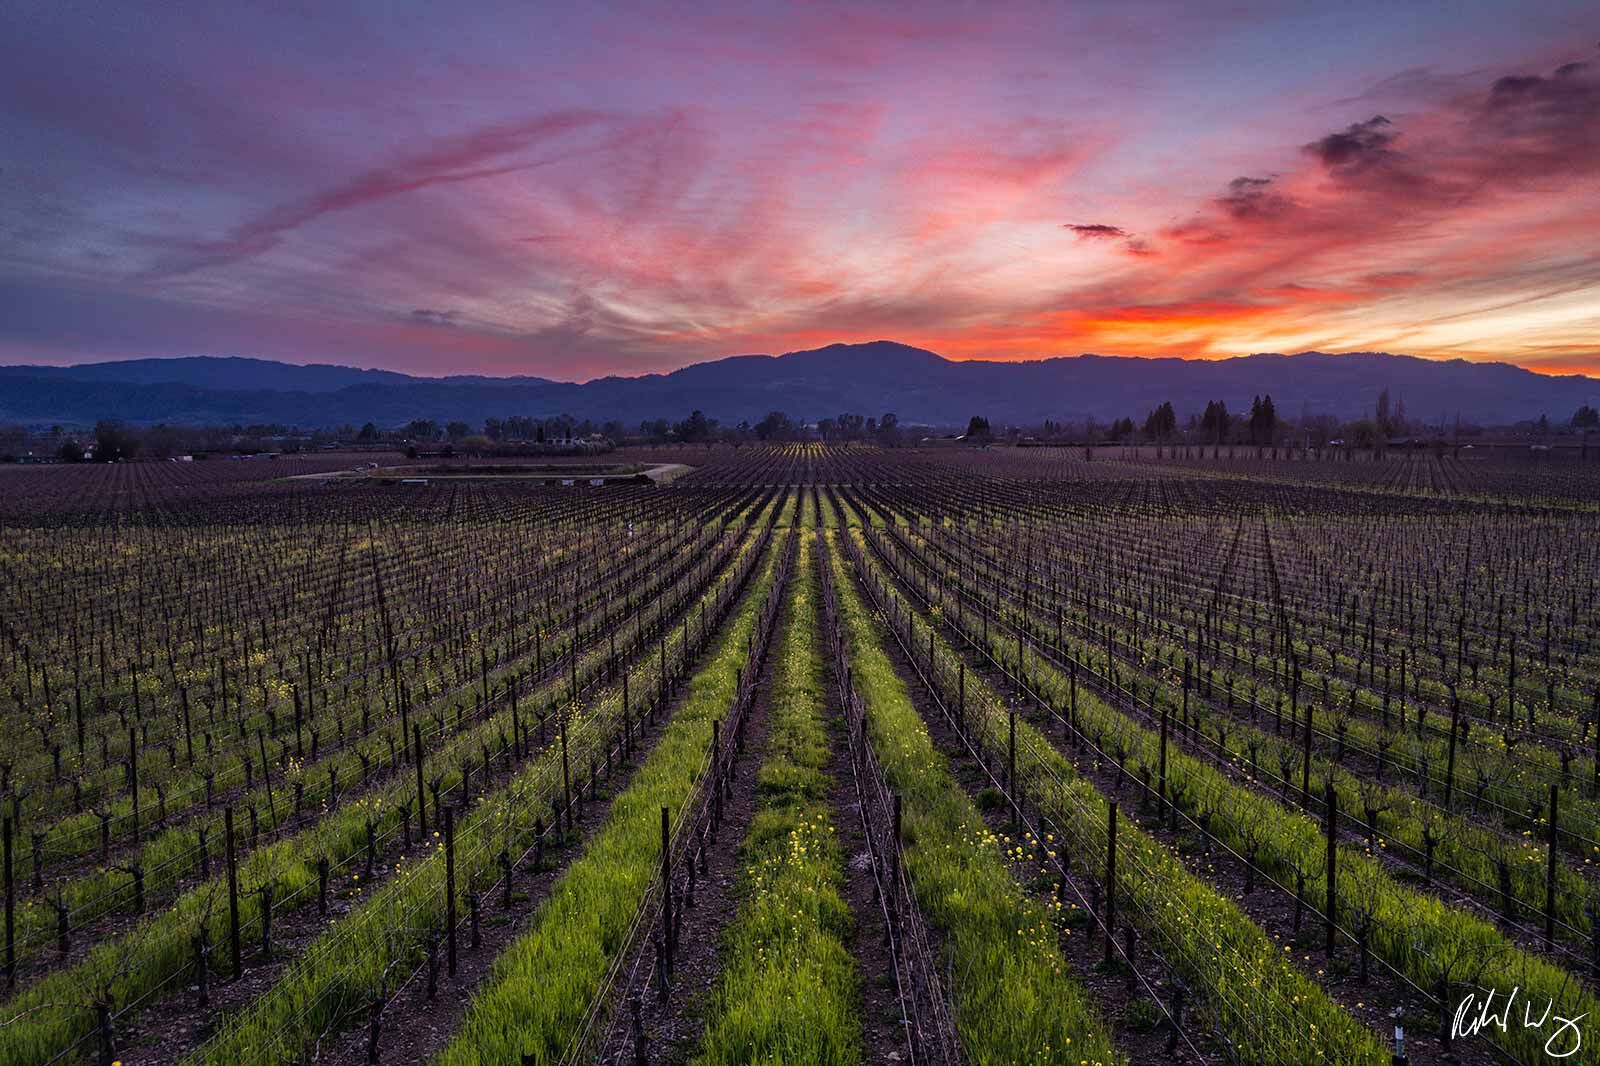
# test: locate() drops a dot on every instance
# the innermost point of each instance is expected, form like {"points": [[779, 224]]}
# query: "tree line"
{"points": [[1262, 426], [775, 427]]}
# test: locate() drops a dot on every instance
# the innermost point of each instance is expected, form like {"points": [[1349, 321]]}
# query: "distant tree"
{"points": [[493, 428], [978, 428], [889, 430], [827, 428], [70, 451], [1586, 417], [696, 428], [1120, 430], [1381, 417], [1161, 423], [1216, 421], [655, 429], [457, 430], [422, 429], [114, 442], [1263, 421], [368, 434], [776, 426], [851, 427]]}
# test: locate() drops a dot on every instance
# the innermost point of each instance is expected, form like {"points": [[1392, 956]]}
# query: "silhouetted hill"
{"points": [[213, 372], [918, 385], [238, 374]]}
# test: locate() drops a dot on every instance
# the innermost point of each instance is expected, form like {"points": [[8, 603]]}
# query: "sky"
{"points": [[576, 190]]}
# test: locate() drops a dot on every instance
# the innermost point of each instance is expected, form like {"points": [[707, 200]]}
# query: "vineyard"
{"points": [[814, 755]]}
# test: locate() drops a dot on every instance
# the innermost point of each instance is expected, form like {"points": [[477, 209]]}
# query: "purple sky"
{"points": [[575, 190]]}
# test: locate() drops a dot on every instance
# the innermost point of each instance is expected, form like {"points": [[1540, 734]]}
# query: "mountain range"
{"points": [[920, 386]]}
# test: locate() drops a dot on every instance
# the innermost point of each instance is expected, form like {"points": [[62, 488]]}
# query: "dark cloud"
{"points": [[1514, 86], [1357, 146], [1252, 198], [1245, 204], [435, 318], [1531, 128], [1097, 230], [1572, 94]]}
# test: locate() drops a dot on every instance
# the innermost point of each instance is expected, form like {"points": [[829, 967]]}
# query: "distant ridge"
{"points": [[872, 378], [236, 373]]}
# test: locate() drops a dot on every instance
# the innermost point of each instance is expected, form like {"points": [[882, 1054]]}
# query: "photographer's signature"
{"points": [[1473, 1015]]}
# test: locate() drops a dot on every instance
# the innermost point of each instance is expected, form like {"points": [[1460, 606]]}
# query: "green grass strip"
{"points": [[541, 985], [1015, 1000], [790, 991]]}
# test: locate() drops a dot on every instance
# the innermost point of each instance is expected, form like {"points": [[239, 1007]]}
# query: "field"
{"points": [[806, 755]]}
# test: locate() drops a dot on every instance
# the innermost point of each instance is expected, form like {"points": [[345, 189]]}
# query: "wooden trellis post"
{"points": [[1111, 879], [450, 888], [234, 948], [1332, 901]]}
